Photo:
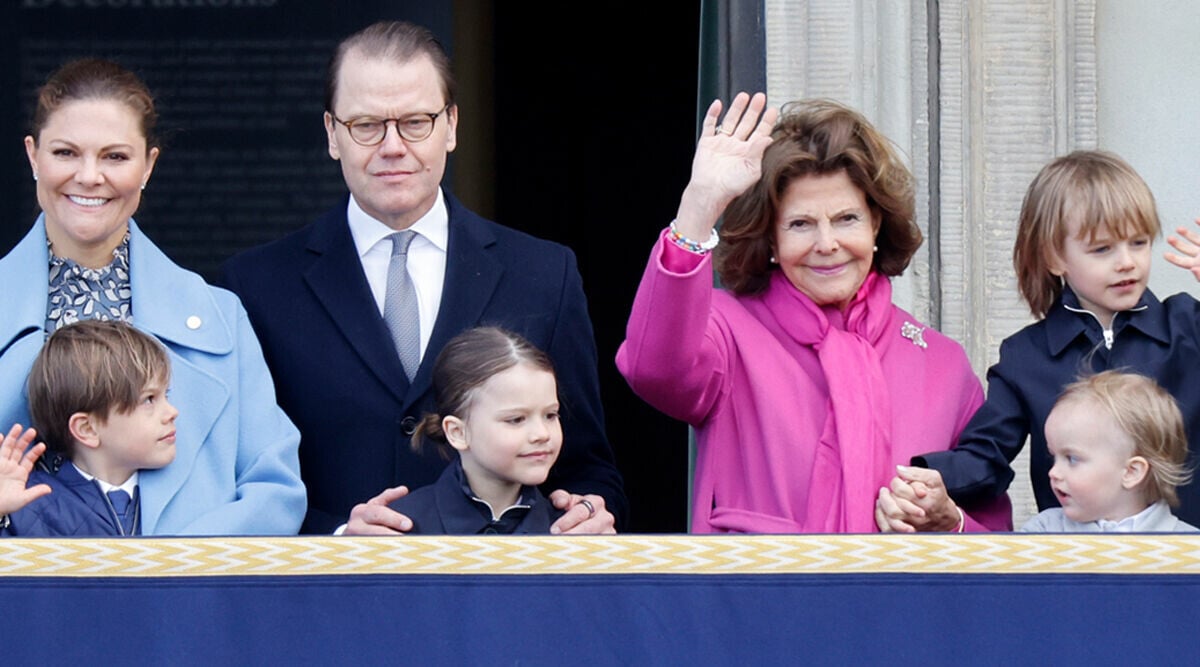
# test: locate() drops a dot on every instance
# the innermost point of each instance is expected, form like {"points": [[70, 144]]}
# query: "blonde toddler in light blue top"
{"points": [[1119, 449]]}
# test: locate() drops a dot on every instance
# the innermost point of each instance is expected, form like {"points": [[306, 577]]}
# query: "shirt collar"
{"points": [[1064, 325], [1151, 516], [525, 498], [129, 486], [367, 231]]}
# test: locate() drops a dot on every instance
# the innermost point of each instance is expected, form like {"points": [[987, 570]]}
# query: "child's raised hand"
{"points": [[1187, 249], [16, 462]]}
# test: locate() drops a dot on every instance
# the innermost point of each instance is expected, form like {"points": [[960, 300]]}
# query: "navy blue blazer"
{"points": [[443, 508], [74, 508], [338, 377]]}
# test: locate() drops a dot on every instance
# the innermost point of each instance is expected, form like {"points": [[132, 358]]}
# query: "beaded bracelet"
{"points": [[694, 246]]}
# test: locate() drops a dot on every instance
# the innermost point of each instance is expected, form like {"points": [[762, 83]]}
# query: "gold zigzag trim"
{"points": [[625, 554]]}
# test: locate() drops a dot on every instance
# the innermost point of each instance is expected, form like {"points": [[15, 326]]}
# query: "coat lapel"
{"points": [[337, 280], [180, 309], [472, 274]]}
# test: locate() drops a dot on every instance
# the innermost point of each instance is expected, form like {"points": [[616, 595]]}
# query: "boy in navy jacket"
{"points": [[98, 397]]}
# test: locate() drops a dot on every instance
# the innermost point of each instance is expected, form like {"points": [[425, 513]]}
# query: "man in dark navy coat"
{"points": [[318, 297]]}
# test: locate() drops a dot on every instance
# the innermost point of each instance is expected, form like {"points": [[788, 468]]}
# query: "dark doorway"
{"points": [[594, 127]]}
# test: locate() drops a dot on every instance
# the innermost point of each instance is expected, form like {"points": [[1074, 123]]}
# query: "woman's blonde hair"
{"points": [[1101, 191]]}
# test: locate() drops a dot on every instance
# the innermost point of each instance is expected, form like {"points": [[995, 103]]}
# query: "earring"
{"points": [[35, 177], [873, 248], [773, 260], [143, 186]]}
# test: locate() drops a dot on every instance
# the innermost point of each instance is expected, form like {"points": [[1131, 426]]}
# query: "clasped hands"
{"points": [[916, 500]]}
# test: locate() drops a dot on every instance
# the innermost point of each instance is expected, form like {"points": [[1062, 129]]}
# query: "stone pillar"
{"points": [[871, 55], [1017, 83]]}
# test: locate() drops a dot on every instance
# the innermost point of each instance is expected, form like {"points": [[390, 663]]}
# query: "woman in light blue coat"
{"points": [[92, 151]]}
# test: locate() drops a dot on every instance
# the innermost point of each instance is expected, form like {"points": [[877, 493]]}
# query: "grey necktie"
{"points": [[400, 305]]}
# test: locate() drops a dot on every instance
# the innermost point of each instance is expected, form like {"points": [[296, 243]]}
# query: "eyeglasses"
{"points": [[371, 131]]}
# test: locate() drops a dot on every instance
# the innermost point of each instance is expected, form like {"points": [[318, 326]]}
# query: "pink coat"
{"points": [[759, 400]]}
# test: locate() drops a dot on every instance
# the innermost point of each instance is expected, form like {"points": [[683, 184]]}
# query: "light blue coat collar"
{"points": [[178, 306]]}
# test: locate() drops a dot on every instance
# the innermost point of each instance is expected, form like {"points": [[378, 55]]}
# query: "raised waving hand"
{"points": [[728, 161], [16, 462], [1187, 249]]}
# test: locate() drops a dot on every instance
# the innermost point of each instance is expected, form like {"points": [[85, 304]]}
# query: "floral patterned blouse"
{"points": [[79, 293]]}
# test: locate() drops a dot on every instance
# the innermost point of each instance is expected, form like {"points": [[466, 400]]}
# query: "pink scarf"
{"points": [[854, 455]]}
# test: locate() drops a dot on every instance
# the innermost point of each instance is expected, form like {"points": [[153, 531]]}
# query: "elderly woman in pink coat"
{"points": [[806, 385]]}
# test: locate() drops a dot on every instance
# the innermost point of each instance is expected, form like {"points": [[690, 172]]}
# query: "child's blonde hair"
{"points": [[1098, 187], [1150, 417], [468, 361]]}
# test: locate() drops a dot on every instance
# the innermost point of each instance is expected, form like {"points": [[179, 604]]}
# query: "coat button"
{"points": [[193, 323], [408, 425]]}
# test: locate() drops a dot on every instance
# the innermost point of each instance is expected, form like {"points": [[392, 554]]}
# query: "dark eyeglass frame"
{"points": [[386, 121]]}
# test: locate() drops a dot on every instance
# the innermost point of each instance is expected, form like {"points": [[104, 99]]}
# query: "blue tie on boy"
{"points": [[121, 506]]}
